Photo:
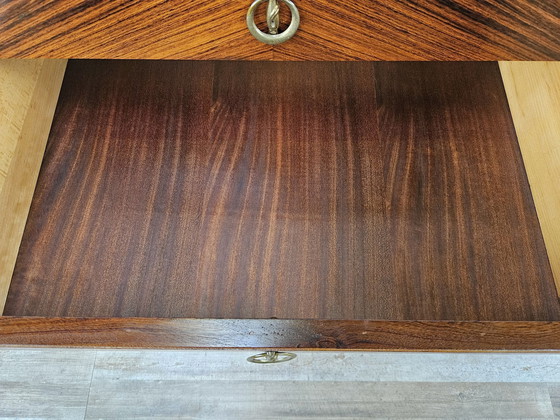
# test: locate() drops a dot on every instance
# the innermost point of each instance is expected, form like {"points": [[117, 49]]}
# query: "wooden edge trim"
{"points": [[280, 334], [533, 92], [17, 192]]}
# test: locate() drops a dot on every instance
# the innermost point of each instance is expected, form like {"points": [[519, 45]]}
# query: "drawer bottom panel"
{"points": [[290, 190]]}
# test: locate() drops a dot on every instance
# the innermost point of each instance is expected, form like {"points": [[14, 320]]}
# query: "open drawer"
{"points": [[282, 205]]}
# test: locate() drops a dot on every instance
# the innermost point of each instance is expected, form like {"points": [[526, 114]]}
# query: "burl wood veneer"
{"points": [[289, 190]]}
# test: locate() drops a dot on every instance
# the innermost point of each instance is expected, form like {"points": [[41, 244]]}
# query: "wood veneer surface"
{"points": [[157, 29], [330, 30], [425, 30], [279, 334], [289, 190]]}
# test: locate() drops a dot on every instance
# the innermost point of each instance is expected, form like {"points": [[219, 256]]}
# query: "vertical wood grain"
{"points": [[40, 81], [533, 91], [289, 190], [457, 197]]}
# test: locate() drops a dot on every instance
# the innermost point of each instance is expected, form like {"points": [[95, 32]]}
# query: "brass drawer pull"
{"points": [[271, 357], [273, 22]]}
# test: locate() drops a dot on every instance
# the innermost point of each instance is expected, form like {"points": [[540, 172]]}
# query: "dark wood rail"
{"points": [[280, 334]]}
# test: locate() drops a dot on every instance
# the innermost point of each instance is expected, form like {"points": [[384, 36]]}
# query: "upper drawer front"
{"points": [[484, 30], [329, 30]]}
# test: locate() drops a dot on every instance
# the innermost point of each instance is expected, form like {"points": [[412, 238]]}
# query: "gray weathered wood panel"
{"points": [[257, 399], [45, 383]]}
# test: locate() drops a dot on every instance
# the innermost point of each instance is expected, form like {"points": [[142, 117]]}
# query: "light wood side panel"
{"points": [[41, 81], [17, 83], [533, 91]]}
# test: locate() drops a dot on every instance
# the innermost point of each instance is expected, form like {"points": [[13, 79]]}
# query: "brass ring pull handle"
{"points": [[273, 20], [271, 357]]}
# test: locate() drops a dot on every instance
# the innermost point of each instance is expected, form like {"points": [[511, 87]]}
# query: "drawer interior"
{"points": [[289, 190]]}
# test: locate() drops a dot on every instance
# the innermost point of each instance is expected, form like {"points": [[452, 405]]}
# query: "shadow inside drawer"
{"points": [[289, 190]]}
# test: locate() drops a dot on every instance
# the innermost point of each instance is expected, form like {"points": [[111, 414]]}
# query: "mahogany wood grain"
{"points": [[280, 334], [244, 190], [330, 30]]}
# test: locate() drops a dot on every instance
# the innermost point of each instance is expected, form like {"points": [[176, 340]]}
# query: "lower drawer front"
{"points": [[330, 30], [128, 384]]}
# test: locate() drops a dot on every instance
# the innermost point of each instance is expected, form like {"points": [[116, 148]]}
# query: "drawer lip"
{"points": [[282, 334]]}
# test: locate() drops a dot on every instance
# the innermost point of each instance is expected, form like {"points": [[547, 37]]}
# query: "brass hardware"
{"points": [[271, 357], [273, 22]]}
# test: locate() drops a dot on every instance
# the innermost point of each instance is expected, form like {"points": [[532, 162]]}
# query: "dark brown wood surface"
{"points": [[280, 334], [330, 30], [289, 190]]}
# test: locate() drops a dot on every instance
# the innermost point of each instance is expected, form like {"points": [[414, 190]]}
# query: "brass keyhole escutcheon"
{"points": [[273, 22]]}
